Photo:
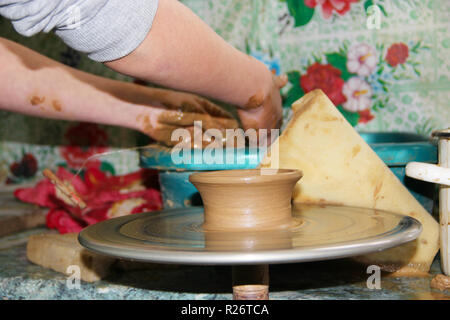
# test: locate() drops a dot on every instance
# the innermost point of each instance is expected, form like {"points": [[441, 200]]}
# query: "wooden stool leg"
{"points": [[251, 282]]}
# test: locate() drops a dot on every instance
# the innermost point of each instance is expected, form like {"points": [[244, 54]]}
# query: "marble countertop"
{"points": [[338, 279]]}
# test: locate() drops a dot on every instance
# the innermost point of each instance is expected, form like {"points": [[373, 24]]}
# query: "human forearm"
{"points": [[183, 53], [180, 52], [35, 85]]}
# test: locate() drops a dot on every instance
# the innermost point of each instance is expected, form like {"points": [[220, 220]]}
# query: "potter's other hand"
{"points": [[171, 110], [196, 59], [41, 87], [264, 112]]}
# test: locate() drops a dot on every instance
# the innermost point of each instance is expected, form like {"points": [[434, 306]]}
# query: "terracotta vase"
{"points": [[246, 199]]}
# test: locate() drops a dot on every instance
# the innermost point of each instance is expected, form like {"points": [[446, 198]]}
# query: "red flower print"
{"points": [[101, 192], [43, 194], [327, 78], [365, 116], [328, 6], [62, 221], [85, 140], [397, 54], [148, 206], [25, 168]]}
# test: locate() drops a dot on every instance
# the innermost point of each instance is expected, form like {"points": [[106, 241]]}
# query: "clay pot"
{"points": [[246, 199]]}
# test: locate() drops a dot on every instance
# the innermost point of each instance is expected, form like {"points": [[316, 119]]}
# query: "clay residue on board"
{"points": [[35, 100], [325, 117], [377, 189], [440, 282], [356, 149], [305, 200], [328, 118], [57, 105]]}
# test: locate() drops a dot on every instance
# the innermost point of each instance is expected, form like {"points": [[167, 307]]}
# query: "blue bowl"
{"points": [[395, 149]]}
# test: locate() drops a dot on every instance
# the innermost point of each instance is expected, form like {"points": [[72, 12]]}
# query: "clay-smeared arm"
{"points": [[183, 53], [35, 85]]}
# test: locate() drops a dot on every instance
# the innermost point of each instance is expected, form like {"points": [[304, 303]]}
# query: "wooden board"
{"points": [[340, 168], [17, 216]]}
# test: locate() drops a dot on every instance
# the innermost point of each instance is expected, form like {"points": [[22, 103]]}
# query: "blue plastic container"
{"points": [[395, 149], [176, 189]]}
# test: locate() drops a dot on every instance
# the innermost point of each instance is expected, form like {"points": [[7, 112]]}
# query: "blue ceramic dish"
{"points": [[395, 149]]}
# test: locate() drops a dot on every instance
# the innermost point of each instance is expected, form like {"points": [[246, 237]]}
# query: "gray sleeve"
{"points": [[103, 29]]}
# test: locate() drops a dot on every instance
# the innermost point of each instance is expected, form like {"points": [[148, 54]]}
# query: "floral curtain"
{"points": [[383, 63]]}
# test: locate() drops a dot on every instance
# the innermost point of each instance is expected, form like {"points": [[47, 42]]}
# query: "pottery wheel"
{"points": [[317, 233]]}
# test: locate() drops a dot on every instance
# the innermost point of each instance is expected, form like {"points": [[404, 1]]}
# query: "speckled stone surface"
{"points": [[339, 279]]}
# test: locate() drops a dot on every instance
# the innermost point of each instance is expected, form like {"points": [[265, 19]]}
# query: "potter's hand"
{"points": [[171, 110], [264, 112]]}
